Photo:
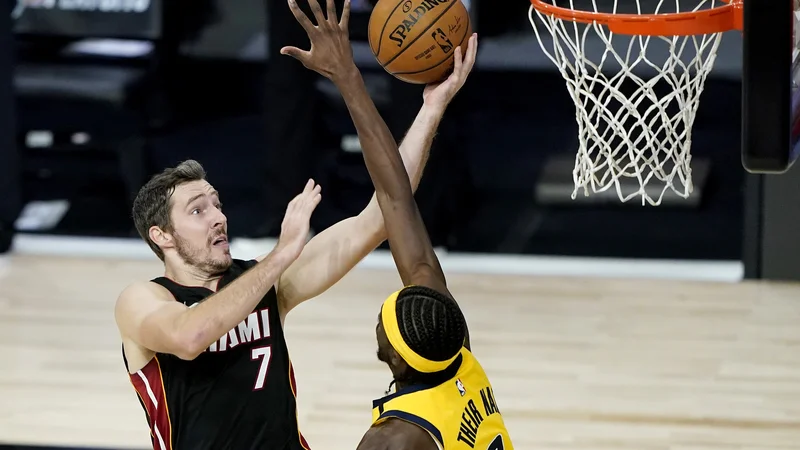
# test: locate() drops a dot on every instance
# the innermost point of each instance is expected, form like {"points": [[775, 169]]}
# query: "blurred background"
{"points": [[98, 95], [108, 92]]}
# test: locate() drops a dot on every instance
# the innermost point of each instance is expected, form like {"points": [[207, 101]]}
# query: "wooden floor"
{"points": [[576, 363]]}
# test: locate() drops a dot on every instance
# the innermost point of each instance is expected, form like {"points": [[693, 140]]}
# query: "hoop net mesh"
{"points": [[635, 97]]}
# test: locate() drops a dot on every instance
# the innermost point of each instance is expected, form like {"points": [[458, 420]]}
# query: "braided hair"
{"points": [[432, 325]]}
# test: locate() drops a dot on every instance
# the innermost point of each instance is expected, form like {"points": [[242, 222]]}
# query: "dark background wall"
{"points": [[206, 101]]}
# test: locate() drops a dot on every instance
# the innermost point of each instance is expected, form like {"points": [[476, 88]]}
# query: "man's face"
{"points": [[388, 355], [200, 228], [384, 346]]}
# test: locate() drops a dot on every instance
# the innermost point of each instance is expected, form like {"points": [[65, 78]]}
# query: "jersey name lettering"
{"points": [[471, 418], [252, 329]]}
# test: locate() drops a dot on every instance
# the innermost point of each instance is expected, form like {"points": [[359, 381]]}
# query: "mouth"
{"points": [[220, 241]]}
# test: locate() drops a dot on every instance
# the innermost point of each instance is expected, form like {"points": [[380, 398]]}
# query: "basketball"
{"points": [[415, 40]]}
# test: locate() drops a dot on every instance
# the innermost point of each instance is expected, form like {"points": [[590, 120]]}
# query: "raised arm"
{"points": [[411, 247], [331, 254], [331, 55]]}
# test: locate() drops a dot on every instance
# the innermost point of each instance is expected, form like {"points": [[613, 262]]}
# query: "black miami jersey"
{"points": [[239, 394]]}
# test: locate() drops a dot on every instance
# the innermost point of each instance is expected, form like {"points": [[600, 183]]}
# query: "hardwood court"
{"points": [[576, 363]]}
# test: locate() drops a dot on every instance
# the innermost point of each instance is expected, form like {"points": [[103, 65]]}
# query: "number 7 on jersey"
{"points": [[264, 354]]}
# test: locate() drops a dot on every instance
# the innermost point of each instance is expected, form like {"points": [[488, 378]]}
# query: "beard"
{"points": [[383, 355], [201, 257]]}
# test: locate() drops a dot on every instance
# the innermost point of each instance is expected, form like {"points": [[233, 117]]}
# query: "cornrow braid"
{"points": [[430, 323]]}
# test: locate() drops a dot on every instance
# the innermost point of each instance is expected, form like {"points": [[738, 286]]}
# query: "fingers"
{"points": [[463, 61], [309, 186], [458, 62], [301, 16], [332, 17], [309, 198], [464, 66], [315, 200], [296, 53], [317, 11], [295, 225], [472, 52], [344, 22], [311, 190]]}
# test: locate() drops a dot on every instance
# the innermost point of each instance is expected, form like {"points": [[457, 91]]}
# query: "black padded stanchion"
{"points": [[10, 165], [292, 107]]}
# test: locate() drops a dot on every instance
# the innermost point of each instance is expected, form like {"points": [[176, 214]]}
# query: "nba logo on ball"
{"points": [[415, 40]]}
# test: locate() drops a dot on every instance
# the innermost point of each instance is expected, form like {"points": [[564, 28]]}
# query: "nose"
{"points": [[220, 220]]}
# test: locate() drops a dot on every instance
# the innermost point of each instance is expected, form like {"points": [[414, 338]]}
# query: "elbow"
{"points": [[189, 346], [190, 338], [189, 352]]}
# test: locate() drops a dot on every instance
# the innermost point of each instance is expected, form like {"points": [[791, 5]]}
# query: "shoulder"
{"points": [[397, 434], [141, 295], [141, 289]]}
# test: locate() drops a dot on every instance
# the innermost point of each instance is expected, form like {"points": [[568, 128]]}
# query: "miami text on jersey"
{"points": [[254, 328]]}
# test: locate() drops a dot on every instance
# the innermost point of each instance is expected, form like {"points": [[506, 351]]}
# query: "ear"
{"points": [[399, 365], [161, 237]]}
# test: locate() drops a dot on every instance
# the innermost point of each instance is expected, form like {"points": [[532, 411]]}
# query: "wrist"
{"points": [[347, 74], [430, 115], [434, 108], [284, 254]]}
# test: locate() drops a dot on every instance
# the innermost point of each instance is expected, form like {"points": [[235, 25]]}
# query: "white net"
{"points": [[635, 97]]}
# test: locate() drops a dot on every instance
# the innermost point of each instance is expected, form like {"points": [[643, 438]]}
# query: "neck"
{"points": [[402, 382], [398, 385], [187, 275]]}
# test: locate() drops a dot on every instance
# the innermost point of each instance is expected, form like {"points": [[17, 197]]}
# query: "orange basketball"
{"points": [[415, 40]]}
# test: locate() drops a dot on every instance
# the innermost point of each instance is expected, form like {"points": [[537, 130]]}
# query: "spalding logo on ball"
{"points": [[415, 40]]}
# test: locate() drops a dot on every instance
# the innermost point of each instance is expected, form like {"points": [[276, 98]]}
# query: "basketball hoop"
{"points": [[635, 77]]}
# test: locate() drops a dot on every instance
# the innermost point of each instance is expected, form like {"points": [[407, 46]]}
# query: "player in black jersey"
{"points": [[204, 344]]}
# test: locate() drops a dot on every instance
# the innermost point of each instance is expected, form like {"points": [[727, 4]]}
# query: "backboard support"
{"points": [[770, 80]]}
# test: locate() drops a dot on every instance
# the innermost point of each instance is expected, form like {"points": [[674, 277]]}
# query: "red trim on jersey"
{"points": [[293, 386], [149, 384], [303, 441], [292, 382]]}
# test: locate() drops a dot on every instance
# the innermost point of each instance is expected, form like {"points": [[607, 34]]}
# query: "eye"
{"points": [[196, 211]]}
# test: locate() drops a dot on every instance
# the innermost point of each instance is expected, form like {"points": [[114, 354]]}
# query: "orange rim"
{"points": [[716, 20]]}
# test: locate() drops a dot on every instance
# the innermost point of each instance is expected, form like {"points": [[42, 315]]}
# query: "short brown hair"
{"points": [[152, 205]]}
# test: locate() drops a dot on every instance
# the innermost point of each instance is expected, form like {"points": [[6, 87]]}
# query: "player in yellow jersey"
{"points": [[440, 386], [443, 398]]}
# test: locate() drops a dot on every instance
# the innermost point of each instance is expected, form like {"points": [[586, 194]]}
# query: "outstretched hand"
{"points": [[441, 94], [296, 222], [331, 54]]}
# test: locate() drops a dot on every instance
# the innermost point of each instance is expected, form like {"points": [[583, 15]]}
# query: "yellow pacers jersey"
{"points": [[461, 413]]}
